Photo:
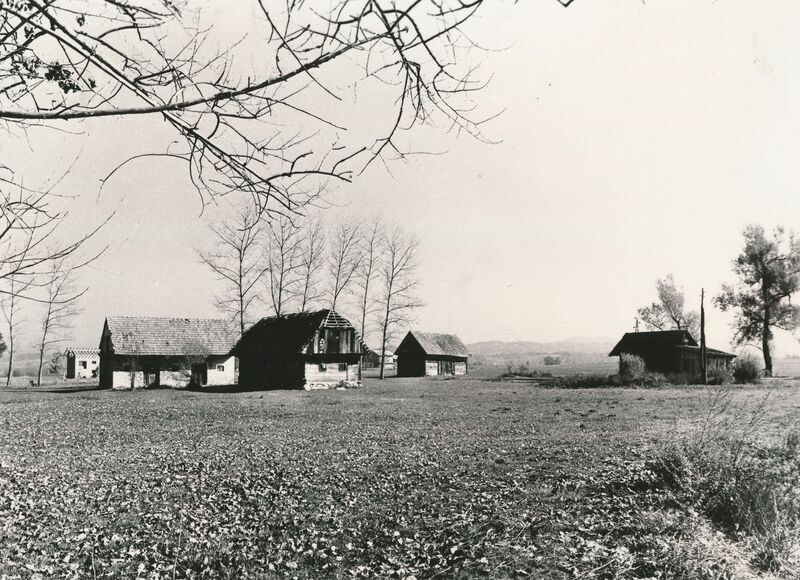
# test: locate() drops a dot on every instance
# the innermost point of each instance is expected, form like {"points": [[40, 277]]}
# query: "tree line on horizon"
{"points": [[767, 276]]}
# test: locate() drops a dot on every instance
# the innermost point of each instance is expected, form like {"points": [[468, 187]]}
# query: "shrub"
{"points": [[552, 360], [679, 379], [584, 381], [653, 380], [524, 371], [631, 368], [746, 370], [719, 377]]}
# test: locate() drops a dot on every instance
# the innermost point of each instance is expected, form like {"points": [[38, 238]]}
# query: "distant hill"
{"points": [[579, 348]]}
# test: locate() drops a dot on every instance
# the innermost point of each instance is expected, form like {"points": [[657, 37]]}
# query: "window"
{"points": [[323, 367], [221, 368], [83, 364], [342, 367], [94, 362]]}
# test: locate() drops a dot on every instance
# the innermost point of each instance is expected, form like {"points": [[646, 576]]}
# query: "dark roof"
{"points": [[437, 344], [711, 351], [291, 332], [144, 335], [636, 342]]}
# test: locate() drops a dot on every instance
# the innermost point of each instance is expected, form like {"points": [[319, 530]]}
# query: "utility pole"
{"points": [[703, 359]]}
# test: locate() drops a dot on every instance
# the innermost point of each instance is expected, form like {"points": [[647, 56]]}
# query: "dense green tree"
{"points": [[768, 272]]}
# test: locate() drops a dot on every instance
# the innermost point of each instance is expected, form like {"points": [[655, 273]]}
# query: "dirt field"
{"points": [[409, 477]]}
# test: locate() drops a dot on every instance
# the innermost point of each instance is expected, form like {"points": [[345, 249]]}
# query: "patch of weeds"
{"points": [[746, 488]]}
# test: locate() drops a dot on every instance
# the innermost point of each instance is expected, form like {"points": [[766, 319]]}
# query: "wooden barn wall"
{"points": [[410, 365], [256, 370]]}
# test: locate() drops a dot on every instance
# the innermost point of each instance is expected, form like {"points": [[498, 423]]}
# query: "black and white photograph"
{"points": [[403, 289]]}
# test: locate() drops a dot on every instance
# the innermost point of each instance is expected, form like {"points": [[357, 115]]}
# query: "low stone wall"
{"points": [[318, 386], [175, 379]]}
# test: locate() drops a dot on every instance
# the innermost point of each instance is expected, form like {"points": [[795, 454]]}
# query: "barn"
{"points": [[139, 351], [310, 350], [430, 353], [82, 363], [671, 351]]}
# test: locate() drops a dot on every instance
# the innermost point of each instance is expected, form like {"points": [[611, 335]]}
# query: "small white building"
{"points": [[82, 363], [139, 351]]}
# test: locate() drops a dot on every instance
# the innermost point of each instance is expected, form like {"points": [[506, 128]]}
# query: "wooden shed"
{"points": [[671, 351], [310, 350], [430, 354], [82, 363], [141, 351]]}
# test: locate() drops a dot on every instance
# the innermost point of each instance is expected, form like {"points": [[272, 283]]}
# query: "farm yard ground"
{"points": [[407, 477]]}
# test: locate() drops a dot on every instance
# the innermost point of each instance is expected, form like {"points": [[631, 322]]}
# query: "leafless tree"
{"points": [[29, 228], [344, 257], [311, 262], [237, 259], [29, 224], [244, 125], [371, 240], [283, 257], [398, 283], [11, 302], [132, 361], [60, 307]]}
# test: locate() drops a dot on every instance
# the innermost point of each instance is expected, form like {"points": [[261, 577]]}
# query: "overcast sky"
{"points": [[637, 140]]}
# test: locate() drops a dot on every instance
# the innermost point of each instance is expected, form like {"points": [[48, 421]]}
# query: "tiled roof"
{"points": [[82, 351], [143, 335], [438, 344]]}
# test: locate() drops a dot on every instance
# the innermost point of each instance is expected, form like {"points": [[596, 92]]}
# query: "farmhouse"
{"points": [[146, 352], [310, 350], [671, 351], [429, 353], [82, 363]]}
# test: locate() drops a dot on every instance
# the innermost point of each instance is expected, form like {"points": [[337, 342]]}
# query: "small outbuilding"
{"points": [[140, 351], [671, 351], [82, 363], [430, 354], [371, 359], [305, 350]]}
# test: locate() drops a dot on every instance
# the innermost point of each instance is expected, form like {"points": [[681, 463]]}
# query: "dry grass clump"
{"points": [[747, 488]]}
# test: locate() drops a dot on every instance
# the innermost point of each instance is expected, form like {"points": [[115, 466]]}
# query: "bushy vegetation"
{"points": [[747, 370], [631, 367], [746, 488], [525, 371], [719, 377]]}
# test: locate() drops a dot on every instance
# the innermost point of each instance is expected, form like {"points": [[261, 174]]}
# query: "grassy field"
{"points": [[407, 478]]}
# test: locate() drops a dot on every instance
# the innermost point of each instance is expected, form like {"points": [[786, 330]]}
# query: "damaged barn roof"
{"points": [[145, 335], [291, 332], [435, 343]]}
